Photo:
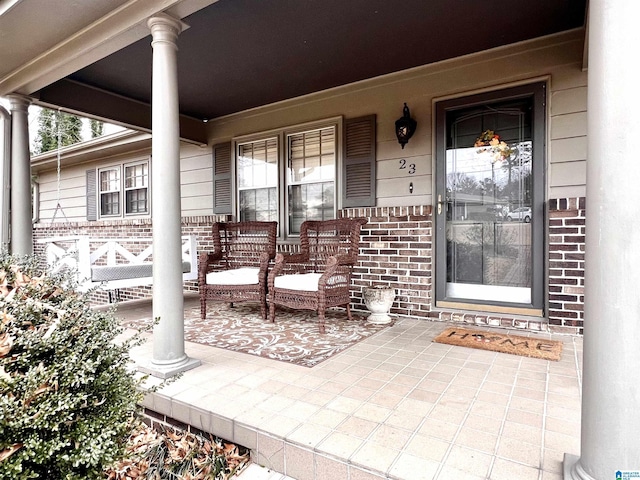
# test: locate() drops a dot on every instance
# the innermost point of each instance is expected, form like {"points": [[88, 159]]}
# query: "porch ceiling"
{"points": [[240, 54]]}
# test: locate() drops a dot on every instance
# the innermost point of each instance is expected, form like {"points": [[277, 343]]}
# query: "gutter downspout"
{"points": [[5, 172]]}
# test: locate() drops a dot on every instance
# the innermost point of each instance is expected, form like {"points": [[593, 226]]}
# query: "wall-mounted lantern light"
{"points": [[405, 126]]}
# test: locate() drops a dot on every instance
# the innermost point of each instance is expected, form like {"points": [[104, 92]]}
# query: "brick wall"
{"points": [[566, 264], [396, 251]]}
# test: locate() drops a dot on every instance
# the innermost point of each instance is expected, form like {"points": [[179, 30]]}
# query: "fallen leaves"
{"points": [[172, 453], [6, 342]]}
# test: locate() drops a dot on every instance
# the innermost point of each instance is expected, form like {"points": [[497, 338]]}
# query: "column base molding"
{"points": [[169, 369], [572, 469]]}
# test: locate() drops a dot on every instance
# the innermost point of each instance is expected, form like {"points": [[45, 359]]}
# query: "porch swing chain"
{"points": [[58, 205]]}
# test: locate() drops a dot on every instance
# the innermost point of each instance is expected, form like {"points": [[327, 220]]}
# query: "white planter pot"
{"points": [[379, 300]]}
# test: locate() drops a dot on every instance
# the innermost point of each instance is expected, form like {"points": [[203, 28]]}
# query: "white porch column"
{"points": [[5, 181], [611, 387], [21, 208], [169, 356]]}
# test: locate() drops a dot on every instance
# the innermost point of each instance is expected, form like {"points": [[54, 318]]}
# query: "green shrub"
{"points": [[67, 394]]}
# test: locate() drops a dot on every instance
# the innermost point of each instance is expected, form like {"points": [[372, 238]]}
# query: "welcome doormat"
{"points": [[294, 337], [498, 342]]}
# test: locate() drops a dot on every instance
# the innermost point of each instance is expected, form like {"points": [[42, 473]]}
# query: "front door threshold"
{"points": [[484, 308]]}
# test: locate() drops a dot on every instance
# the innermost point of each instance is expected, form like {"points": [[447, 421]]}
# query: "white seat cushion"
{"points": [[307, 282], [238, 276]]}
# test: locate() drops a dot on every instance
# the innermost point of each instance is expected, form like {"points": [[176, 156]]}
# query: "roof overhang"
{"points": [[101, 148]]}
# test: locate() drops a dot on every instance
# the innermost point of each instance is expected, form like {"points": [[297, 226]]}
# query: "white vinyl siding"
{"points": [[196, 180], [568, 135]]}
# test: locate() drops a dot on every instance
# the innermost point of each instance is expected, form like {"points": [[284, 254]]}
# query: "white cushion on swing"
{"points": [[236, 276], [307, 282], [106, 273]]}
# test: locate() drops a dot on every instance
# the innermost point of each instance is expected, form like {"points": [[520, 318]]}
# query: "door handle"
{"points": [[439, 204]]}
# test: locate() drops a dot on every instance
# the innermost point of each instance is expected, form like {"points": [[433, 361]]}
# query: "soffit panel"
{"points": [[240, 54], [32, 27]]}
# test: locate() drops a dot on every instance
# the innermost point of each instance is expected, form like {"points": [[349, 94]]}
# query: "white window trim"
{"points": [[35, 201], [125, 189], [282, 135], [101, 192]]}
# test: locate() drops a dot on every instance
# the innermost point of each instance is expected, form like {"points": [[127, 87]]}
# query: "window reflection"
{"points": [[258, 205], [310, 202]]}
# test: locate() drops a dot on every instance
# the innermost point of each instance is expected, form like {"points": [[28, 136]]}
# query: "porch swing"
{"points": [[109, 263]]}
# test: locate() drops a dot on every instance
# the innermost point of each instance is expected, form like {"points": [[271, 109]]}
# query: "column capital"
{"points": [[165, 28], [19, 101]]}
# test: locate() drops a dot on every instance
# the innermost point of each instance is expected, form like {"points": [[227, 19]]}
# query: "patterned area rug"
{"points": [[294, 337]]}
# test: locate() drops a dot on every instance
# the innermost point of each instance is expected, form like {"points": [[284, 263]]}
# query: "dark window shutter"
{"points": [[359, 166], [222, 178], [92, 207]]}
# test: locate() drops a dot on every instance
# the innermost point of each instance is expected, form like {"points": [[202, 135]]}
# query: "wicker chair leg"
{"points": [[321, 322], [203, 307], [349, 316], [272, 312], [263, 309]]}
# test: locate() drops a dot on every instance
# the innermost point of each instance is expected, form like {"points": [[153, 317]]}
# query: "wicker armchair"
{"points": [[236, 271], [320, 275]]}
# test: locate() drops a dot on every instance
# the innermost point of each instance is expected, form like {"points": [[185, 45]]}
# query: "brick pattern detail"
{"points": [[566, 264], [396, 251]]}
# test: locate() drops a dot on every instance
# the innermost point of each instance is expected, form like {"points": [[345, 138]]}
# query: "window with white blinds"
{"points": [[288, 187], [257, 170], [311, 172]]}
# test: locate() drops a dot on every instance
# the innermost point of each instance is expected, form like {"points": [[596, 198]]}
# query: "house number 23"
{"points": [[411, 167]]}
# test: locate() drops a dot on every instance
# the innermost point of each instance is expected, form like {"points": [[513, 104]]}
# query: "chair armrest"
{"points": [[206, 259], [281, 262], [265, 258], [284, 259], [341, 259], [292, 258], [336, 265]]}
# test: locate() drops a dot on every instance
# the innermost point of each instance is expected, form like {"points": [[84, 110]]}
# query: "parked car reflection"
{"points": [[522, 214]]}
